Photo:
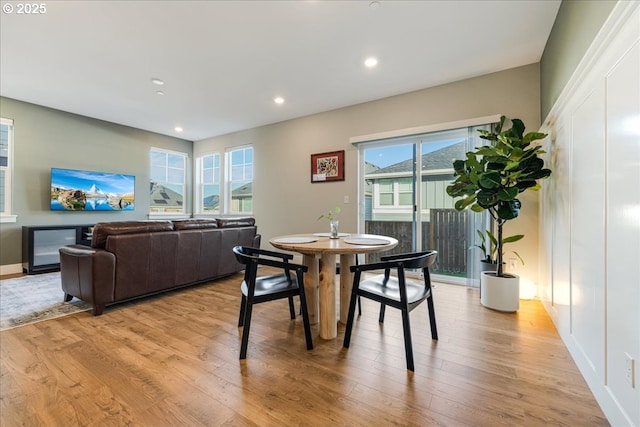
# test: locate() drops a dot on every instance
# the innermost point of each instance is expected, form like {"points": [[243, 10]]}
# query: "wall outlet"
{"points": [[346, 199], [629, 370], [512, 264]]}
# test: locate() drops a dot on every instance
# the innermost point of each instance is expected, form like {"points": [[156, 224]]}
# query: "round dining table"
{"points": [[319, 252]]}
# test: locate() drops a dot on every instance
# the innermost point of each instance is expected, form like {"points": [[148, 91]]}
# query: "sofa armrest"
{"points": [[88, 274]]}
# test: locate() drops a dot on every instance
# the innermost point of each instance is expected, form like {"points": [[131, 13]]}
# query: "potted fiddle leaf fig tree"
{"points": [[489, 248], [490, 178]]}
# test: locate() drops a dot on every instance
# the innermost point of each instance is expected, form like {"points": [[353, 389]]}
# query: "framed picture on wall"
{"points": [[327, 166]]}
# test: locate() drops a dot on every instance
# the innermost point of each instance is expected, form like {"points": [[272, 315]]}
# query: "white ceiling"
{"points": [[223, 62]]}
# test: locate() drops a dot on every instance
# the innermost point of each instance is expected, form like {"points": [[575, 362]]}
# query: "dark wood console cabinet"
{"points": [[40, 245]]}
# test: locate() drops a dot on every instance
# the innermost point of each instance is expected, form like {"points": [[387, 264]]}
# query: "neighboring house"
{"points": [[389, 190], [211, 203], [242, 198], [164, 199]]}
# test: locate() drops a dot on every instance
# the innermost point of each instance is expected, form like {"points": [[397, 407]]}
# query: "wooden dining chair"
{"points": [[395, 291], [256, 290]]}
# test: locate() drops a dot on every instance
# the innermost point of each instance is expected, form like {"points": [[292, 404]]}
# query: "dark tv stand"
{"points": [[40, 245]]}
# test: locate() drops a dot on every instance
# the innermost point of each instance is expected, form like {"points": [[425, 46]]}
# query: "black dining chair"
{"points": [[256, 290], [395, 291]]}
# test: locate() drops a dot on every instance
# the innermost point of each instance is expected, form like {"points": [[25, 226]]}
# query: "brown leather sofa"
{"points": [[131, 259]]}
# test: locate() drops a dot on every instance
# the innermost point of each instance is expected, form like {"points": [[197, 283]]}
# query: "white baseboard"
{"points": [[10, 269]]}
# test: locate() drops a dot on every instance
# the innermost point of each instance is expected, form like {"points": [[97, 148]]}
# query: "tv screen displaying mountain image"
{"points": [[78, 190]]}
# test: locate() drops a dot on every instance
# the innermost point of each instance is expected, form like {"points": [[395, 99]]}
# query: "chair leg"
{"points": [[245, 331], [305, 322], [292, 309], [359, 306], [432, 318], [408, 346], [352, 312], [381, 316], [243, 305]]}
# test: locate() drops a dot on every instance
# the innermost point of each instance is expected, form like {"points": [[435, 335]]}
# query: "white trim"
{"points": [[164, 150], [8, 218], [477, 121], [7, 214], [168, 215], [10, 269], [618, 35]]}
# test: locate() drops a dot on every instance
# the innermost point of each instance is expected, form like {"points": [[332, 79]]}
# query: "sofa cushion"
{"points": [[236, 222], [194, 223], [104, 229]]}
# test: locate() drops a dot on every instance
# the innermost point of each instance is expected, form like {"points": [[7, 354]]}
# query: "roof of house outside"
{"points": [[244, 190], [163, 196], [436, 160]]}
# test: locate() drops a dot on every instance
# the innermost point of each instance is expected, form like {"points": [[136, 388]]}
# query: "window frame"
{"points": [[200, 184], [229, 183], [185, 159], [7, 215]]}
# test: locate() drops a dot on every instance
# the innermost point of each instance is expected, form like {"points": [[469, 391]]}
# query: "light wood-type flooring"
{"points": [[172, 360]]}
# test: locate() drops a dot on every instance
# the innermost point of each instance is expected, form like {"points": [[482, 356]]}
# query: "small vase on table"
{"points": [[333, 224]]}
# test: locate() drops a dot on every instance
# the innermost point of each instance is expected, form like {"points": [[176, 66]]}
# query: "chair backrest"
{"points": [[242, 254], [251, 257], [413, 260]]}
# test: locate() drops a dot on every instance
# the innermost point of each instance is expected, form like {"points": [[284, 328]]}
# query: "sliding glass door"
{"points": [[403, 195]]}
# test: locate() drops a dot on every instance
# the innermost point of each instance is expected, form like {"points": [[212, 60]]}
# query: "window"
{"points": [[385, 192], [208, 184], [240, 180], [6, 164], [168, 178], [405, 191], [410, 171]]}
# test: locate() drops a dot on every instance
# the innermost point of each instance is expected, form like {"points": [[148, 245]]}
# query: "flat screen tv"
{"points": [[78, 190]]}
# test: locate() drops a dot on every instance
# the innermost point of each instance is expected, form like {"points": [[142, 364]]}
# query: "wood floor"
{"points": [[172, 360]]}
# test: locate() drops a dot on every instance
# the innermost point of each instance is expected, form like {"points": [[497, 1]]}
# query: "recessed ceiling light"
{"points": [[160, 92], [157, 81], [278, 100], [374, 5], [178, 129], [371, 62]]}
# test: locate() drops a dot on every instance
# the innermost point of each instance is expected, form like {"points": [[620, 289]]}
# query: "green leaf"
{"points": [[534, 136], [512, 239], [524, 184], [490, 180], [517, 128], [508, 210], [542, 173], [463, 203], [487, 199], [496, 166], [486, 151], [459, 166], [477, 208], [508, 193], [511, 165]]}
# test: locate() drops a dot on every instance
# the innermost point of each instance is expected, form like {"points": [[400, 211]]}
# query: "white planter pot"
{"points": [[487, 266], [500, 293]]}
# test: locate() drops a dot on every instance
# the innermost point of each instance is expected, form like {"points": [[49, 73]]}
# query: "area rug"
{"points": [[34, 298]]}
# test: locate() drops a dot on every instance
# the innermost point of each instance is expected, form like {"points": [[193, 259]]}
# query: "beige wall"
{"points": [[46, 138], [285, 201], [576, 25]]}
